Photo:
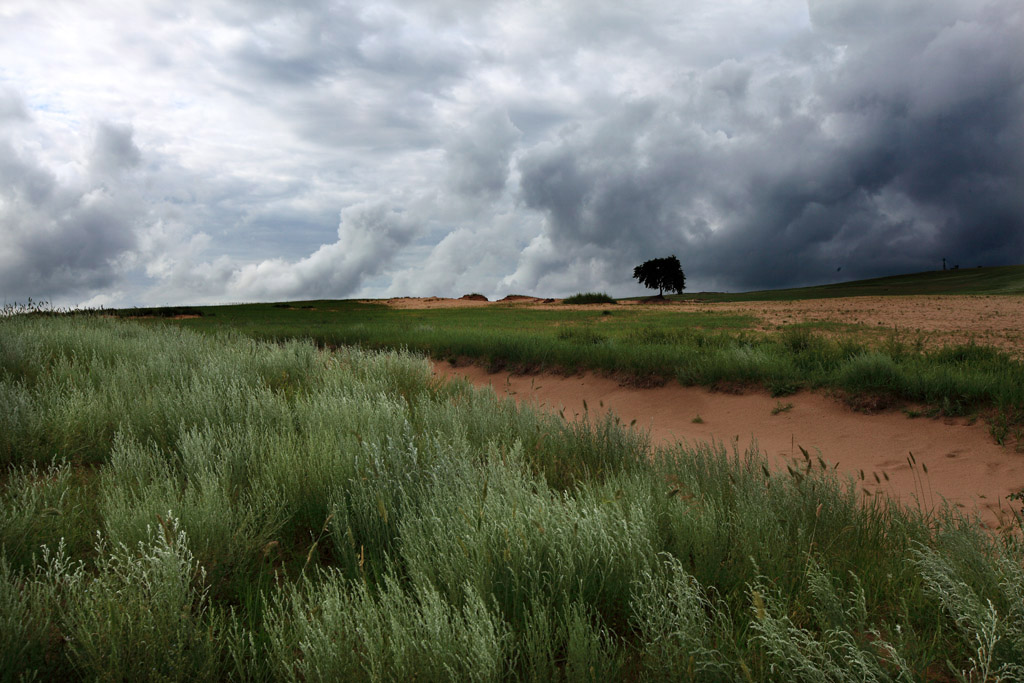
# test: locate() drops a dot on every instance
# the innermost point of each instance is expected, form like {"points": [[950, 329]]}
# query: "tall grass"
{"points": [[871, 370], [211, 507]]}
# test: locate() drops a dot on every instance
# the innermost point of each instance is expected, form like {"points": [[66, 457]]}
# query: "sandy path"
{"points": [[964, 465]]}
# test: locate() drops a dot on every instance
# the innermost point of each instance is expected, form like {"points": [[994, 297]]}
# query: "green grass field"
{"points": [[864, 365], [184, 506]]}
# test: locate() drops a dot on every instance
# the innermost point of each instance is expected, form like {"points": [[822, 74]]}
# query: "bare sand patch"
{"points": [[964, 465], [990, 320], [426, 302]]}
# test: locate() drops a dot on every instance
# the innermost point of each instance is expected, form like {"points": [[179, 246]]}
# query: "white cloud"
{"points": [[368, 238]]}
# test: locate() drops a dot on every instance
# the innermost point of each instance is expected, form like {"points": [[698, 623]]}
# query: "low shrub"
{"points": [[589, 298]]}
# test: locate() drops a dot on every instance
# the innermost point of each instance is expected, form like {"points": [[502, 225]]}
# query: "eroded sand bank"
{"points": [[964, 465]]}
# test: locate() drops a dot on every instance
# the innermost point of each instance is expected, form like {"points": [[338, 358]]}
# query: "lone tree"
{"points": [[661, 274]]}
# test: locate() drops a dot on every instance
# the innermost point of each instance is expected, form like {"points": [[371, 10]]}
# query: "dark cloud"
{"points": [[293, 46], [625, 186], [22, 181], [885, 152], [356, 76], [12, 107], [59, 239], [114, 150], [479, 155]]}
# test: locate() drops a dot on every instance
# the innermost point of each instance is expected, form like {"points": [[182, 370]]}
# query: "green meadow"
{"points": [[864, 365], [285, 492]]}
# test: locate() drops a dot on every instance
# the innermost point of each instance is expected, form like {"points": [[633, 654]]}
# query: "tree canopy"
{"points": [[661, 274]]}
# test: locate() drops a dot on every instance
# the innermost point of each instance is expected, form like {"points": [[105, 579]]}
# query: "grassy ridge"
{"points": [[272, 512], [997, 280]]}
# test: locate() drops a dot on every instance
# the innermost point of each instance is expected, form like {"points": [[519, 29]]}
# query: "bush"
{"points": [[589, 298]]}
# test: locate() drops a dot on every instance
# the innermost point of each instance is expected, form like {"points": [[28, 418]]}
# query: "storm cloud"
{"points": [[60, 236], [232, 151], [859, 146]]}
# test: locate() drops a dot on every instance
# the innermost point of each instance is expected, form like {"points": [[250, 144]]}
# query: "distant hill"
{"points": [[994, 280]]}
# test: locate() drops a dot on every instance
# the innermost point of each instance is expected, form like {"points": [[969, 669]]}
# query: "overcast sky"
{"points": [[201, 151]]}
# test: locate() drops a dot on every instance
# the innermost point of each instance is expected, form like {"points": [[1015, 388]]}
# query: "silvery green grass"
{"points": [[871, 366], [184, 507]]}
